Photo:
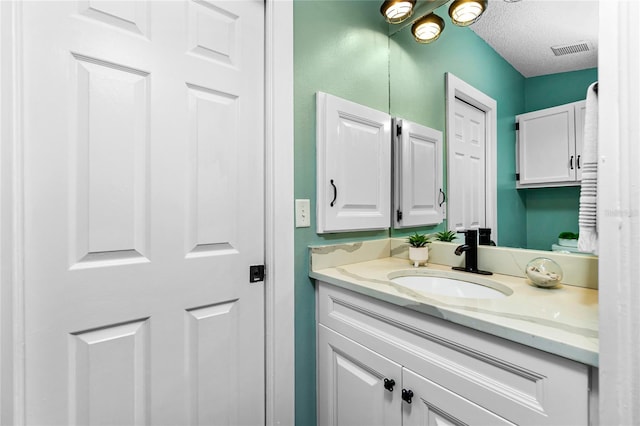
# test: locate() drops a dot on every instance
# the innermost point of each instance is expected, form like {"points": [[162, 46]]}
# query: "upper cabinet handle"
{"points": [[444, 198], [335, 193], [578, 161], [571, 162]]}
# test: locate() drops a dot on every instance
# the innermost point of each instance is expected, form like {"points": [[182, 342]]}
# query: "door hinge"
{"points": [[398, 127], [398, 215], [517, 176], [256, 273], [517, 125]]}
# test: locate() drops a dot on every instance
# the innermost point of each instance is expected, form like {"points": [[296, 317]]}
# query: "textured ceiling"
{"points": [[523, 33]]}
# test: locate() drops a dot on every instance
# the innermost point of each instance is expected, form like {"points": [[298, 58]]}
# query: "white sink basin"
{"points": [[482, 289]]}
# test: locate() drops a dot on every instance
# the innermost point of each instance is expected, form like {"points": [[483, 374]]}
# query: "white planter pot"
{"points": [[418, 255], [567, 243]]}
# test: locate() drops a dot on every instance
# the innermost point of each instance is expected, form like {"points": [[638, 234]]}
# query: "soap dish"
{"points": [[544, 272]]}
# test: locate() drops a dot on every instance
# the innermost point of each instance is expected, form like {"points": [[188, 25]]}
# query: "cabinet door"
{"points": [[418, 175], [580, 109], [351, 387], [434, 405], [546, 141], [353, 154]]}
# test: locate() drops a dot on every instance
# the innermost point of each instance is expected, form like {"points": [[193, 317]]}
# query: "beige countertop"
{"points": [[562, 320]]}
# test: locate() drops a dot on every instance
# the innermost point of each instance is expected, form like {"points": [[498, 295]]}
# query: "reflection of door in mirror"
{"points": [[471, 146], [467, 185]]}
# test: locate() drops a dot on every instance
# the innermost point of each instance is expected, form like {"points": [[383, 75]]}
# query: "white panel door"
{"points": [[353, 149], [467, 179], [351, 386], [546, 145], [434, 405], [418, 175], [143, 158]]}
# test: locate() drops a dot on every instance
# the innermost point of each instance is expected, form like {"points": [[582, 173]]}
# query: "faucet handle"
{"points": [[471, 237]]}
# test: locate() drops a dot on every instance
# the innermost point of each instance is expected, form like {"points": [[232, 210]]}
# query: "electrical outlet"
{"points": [[303, 214]]}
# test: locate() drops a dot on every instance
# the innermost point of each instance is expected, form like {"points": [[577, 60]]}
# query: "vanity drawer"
{"points": [[519, 383]]}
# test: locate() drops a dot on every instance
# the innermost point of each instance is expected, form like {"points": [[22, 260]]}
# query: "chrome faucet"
{"points": [[470, 247]]}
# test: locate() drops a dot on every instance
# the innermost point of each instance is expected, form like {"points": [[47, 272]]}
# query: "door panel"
{"points": [[434, 405], [418, 175], [143, 158], [467, 175], [547, 145], [108, 371], [354, 166], [351, 384], [212, 363], [108, 162]]}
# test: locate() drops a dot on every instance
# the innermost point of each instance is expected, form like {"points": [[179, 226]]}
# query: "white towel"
{"points": [[588, 241]]}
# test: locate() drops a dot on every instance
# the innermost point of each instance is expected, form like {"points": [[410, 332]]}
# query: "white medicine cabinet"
{"points": [[418, 194], [354, 169], [353, 158], [549, 146]]}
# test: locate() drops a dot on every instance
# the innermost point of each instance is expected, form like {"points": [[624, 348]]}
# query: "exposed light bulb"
{"points": [[396, 11], [428, 28], [466, 12]]}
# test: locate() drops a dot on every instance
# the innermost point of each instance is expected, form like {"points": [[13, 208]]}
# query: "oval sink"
{"points": [[453, 287]]}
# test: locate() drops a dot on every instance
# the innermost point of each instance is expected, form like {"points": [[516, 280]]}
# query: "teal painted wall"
{"points": [[417, 93], [340, 47], [556, 89], [553, 210]]}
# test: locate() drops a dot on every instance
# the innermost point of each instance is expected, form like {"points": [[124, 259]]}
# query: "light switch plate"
{"points": [[303, 214]]}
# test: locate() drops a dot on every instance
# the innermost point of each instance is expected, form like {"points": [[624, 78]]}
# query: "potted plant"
{"points": [[568, 239], [446, 236], [418, 249]]}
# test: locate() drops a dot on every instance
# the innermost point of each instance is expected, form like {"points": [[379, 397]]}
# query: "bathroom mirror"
{"points": [[530, 218]]}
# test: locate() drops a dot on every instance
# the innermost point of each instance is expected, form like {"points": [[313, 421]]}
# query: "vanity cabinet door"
{"points": [[351, 384], [433, 405], [418, 175], [353, 154], [547, 148]]}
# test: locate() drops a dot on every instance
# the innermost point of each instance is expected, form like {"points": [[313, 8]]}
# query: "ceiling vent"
{"points": [[569, 49]]}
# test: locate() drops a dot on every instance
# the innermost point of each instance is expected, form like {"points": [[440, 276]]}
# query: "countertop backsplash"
{"points": [[579, 270]]}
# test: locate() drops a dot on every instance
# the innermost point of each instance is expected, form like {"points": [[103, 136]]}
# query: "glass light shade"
{"points": [[466, 12], [396, 11], [428, 28]]}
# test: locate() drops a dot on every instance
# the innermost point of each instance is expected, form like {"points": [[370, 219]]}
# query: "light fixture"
{"points": [[466, 12], [396, 11], [428, 28]]}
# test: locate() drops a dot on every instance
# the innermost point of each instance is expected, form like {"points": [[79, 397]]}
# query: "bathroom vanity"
{"points": [[391, 355]]}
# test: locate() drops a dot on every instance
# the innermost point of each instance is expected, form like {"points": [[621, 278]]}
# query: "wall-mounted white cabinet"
{"points": [[353, 154], [380, 364], [549, 146], [418, 194]]}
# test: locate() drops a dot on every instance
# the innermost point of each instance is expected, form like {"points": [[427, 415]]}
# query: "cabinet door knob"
{"points": [[389, 384], [407, 395]]}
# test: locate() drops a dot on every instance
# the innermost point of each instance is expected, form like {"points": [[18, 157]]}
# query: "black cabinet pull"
{"points": [[444, 197], [407, 395], [335, 193], [571, 162], [389, 384], [578, 161]]}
